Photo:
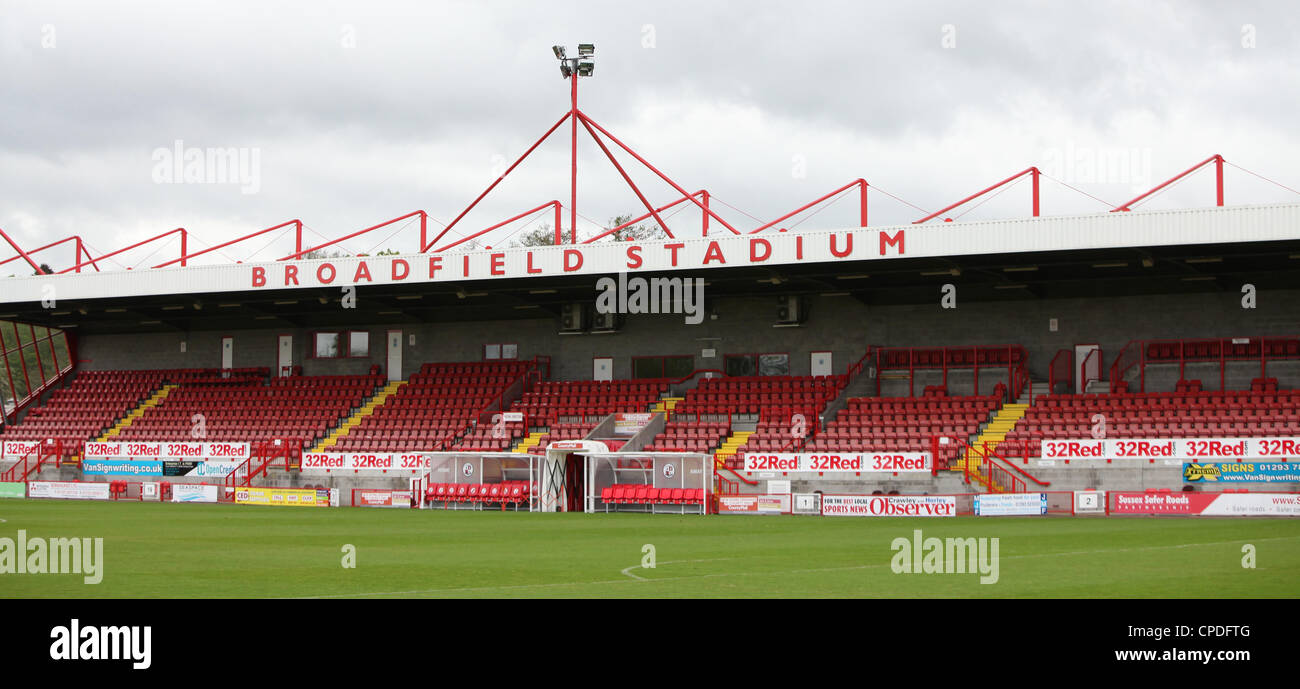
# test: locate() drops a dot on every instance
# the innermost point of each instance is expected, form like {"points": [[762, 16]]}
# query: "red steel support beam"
{"points": [[629, 181], [503, 223], [705, 215], [1218, 165], [855, 183], [702, 193], [559, 234], [332, 242], [182, 259], [655, 170], [297, 242], [20, 251], [80, 249], [1027, 171], [494, 184]]}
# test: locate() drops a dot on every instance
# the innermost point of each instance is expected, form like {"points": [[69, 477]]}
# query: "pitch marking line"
{"points": [[624, 571], [776, 572]]}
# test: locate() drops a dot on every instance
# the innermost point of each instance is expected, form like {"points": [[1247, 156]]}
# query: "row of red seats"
{"points": [[506, 492], [1280, 347], [633, 494], [959, 357]]}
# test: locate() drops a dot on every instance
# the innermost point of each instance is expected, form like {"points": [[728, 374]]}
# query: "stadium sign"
{"points": [[1062, 233], [1208, 504], [192, 492], [377, 497], [889, 506], [1010, 504], [754, 504], [1241, 472], [1186, 449], [283, 497], [13, 490], [17, 449], [358, 462], [68, 490], [119, 467], [889, 462], [173, 451]]}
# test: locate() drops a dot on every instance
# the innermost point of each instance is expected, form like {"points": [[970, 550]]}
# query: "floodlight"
{"points": [[585, 49], [586, 68], [565, 70], [559, 51]]}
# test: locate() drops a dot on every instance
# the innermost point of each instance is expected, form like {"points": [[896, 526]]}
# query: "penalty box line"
{"points": [[633, 579]]}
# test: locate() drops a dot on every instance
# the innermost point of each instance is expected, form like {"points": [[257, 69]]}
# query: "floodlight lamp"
{"points": [[565, 70], [559, 51], [585, 49], [586, 68]]}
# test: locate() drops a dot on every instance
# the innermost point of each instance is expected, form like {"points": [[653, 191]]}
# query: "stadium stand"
{"points": [[434, 408], [245, 408], [584, 400], [686, 435], [95, 400], [1187, 412], [774, 397], [905, 424]]}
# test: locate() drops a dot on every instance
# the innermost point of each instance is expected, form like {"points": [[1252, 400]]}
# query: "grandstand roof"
{"points": [[1067, 256]]}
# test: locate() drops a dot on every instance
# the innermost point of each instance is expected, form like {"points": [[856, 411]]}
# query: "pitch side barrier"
{"points": [[1163, 502]]}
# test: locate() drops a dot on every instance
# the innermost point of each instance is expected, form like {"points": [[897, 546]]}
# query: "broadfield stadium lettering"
{"points": [[728, 251]]}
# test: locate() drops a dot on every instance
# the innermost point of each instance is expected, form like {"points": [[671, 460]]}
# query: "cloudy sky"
{"points": [[350, 113]]}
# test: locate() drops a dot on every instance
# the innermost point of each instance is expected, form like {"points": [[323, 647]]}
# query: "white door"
{"points": [[286, 356], [1086, 368], [821, 363], [227, 353], [602, 368], [394, 355]]}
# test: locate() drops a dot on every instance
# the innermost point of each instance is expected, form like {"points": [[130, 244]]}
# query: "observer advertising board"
{"points": [[173, 451], [1010, 504], [326, 463], [891, 462], [889, 506], [68, 490], [189, 492], [383, 498], [1208, 504], [754, 504], [13, 490], [1241, 472], [1187, 449], [282, 497]]}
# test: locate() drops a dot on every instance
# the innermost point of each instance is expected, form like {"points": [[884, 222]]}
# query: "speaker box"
{"points": [[789, 309]]}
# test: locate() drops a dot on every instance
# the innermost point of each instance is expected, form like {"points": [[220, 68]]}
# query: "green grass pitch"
{"points": [[215, 551]]}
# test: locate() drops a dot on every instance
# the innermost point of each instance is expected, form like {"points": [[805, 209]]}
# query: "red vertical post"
{"points": [[573, 189], [424, 228], [184, 244], [77, 261], [705, 214], [862, 191], [559, 214], [1034, 180], [36, 347], [934, 455], [1218, 178]]}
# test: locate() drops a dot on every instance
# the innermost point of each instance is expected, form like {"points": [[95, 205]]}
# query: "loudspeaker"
{"points": [[572, 318], [789, 309]]}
